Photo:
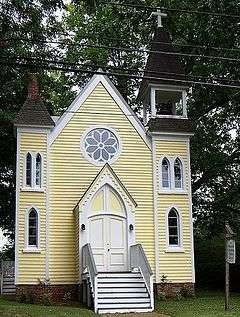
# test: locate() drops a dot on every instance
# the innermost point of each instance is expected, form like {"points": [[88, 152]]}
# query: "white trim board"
{"points": [[83, 95]]}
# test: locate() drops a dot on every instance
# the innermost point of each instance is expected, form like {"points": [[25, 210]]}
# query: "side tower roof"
{"points": [[33, 112]]}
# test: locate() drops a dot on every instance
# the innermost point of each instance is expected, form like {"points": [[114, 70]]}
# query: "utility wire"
{"points": [[234, 49], [36, 59], [126, 49], [152, 8], [87, 71]]}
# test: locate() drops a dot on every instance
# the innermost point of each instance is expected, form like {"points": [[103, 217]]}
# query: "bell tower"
{"points": [[163, 90], [163, 93]]}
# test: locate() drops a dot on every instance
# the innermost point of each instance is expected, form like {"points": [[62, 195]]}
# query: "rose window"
{"points": [[101, 145]]}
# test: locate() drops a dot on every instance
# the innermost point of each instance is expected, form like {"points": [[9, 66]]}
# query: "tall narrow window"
{"points": [[173, 228], [33, 228], [165, 173], [29, 170], [38, 170], [178, 174]]}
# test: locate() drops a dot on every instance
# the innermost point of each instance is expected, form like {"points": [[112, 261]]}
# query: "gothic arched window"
{"points": [[178, 174], [166, 182], [38, 178], [33, 228], [173, 228], [29, 169]]}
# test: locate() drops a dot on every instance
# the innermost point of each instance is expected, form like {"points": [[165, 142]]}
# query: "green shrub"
{"points": [[186, 292], [30, 298], [67, 297], [47, 299], [161, 296], [23, 298]]}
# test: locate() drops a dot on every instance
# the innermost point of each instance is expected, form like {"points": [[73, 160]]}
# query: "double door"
{"points": [[107, 236]]}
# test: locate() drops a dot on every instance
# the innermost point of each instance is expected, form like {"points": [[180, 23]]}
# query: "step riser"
{"points": [[123, 295], [126, 310], [119, 285], [124, 305], [122, 290], [120, 280], [123, 300], [118, 275]]}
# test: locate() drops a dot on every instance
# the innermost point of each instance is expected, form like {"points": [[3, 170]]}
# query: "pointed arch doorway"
{"points": [[107, 230]]}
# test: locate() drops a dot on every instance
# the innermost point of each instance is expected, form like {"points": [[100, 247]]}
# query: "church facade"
{"points": [[103, 201]]}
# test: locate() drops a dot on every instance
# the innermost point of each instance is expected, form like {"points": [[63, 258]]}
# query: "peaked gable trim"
{"points": [[117, 97], [107, 169]]}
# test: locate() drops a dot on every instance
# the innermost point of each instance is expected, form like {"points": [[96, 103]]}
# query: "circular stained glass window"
{"points": [[101, 145]]}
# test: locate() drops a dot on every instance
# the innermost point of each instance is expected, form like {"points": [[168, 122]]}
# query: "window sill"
{"points": [[174, 250], [172, 192], [32, 189], [31, 250]]}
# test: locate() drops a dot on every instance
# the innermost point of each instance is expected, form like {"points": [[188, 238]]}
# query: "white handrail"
{"points": [[88, 263], [139, 260]]}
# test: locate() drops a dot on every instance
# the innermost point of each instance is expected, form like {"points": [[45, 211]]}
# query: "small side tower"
{"points": [[164, 96], [33, 124]]}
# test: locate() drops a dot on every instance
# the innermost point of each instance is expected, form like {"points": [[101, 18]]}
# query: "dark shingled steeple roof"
{"points": [[161, 65], [33, 111]]}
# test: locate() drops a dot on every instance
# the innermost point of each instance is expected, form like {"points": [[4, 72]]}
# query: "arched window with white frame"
{"points": [[173, 228], [32, 229], [38, 170], [29, 169], [178, 174], [165, 173]]}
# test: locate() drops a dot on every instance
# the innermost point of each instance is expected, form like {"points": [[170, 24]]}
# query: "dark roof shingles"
{"points": [[34, 113], [170, 125]]}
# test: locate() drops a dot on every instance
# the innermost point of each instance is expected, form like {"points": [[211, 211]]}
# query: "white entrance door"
{"points": [[108, 242]]}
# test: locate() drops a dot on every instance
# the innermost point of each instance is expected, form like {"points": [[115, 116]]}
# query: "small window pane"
{"points": [[38, 169], [178, 174], [29, 170], [33, 228], [173, 241]]}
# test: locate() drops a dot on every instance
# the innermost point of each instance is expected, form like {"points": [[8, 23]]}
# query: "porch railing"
{"points": [[89, 265], [7, 269], [139, 260]]}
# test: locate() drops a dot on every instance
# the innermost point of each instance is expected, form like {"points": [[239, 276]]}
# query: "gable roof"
{"points": [[117, 97], [106, 169]]}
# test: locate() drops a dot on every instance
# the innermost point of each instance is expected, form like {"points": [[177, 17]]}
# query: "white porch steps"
{"points": [[8, 286], [122, 292]]}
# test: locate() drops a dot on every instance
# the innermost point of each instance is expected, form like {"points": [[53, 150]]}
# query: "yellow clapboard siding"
{"points": [[71, 174], [31, 266], [176, 266]]}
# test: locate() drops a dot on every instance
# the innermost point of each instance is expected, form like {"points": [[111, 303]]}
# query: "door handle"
{"points": [[108, 250]]}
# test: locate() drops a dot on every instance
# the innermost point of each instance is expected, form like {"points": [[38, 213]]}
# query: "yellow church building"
{"points": [[103, 199]]}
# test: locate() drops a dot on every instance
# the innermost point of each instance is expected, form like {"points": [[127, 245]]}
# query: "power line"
{"points": [[87, 71], [139, 6], [122, 69], [153, 42], [126, 49], [201, 46]]}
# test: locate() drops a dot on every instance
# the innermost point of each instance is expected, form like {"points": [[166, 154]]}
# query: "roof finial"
{"points": [[159, 15]]}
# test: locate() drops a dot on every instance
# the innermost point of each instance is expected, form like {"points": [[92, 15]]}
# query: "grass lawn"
{"points": [[204, 305], [10, 308]]}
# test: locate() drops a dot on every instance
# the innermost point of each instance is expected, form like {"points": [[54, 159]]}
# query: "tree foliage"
{"points": [[215, 111]]}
